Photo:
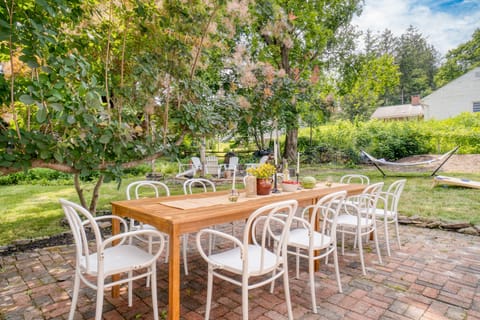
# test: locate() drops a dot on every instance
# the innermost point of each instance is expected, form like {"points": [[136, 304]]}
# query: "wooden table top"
{"points": [[166, 218]]}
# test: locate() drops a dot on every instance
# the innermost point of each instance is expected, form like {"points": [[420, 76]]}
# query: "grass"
{"points": [[32, 211]]}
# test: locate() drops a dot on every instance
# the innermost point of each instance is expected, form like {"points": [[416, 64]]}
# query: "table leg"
{"points": [[174, 277]]}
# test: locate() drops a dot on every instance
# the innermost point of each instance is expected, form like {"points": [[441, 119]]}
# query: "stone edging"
{"points": [[456, 226]]}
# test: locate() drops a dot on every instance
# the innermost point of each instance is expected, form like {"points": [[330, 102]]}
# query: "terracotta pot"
{"points": [[263, 187]]}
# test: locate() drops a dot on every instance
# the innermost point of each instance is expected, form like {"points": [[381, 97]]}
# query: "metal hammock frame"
{"points": [[443, 158]]}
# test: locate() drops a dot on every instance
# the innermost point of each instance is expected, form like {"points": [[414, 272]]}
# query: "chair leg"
{"points": [[360, 249], [130, 287], [209, 293], [286, 288], [311, 275], [100, 292], [76, 289], [397, 233], [298, 262], [245, 298], [387, 241], [379, 254], [337, 270], [185, 245], [154, 292], [167, 251]]}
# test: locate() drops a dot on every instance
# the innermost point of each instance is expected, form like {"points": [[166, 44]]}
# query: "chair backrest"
{"points": [[369, 198], [205, 184], [146, 188], [324, 215], [79, 219], [212, 166], [355, 178], [392, 196], [374, 188], [196, 163], [271, 221], [232, 163]]}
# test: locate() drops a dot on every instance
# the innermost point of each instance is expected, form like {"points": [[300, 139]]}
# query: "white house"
{"points": [[457, 96], [412, 111]]}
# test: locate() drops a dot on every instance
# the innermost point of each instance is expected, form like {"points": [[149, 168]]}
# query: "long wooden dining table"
{"points": [[182, 214]]}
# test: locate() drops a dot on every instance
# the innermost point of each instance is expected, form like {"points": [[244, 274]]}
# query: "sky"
{"points": [[445, 24]]}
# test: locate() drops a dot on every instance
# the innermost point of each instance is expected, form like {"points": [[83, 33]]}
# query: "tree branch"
{"points": [[69, 169]]}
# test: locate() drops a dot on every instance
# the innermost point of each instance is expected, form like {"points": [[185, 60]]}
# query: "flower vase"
{"points": [[263, 187]]}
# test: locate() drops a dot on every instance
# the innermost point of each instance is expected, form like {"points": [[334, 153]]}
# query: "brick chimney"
{"points": [[415, 100]]}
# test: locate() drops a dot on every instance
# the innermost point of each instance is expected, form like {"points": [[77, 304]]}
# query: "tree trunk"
{"points": [[291, 139], [96, 195], [79, 190]]}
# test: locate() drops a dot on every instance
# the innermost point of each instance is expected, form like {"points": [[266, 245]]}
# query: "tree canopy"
{"points": [[94, 87]]}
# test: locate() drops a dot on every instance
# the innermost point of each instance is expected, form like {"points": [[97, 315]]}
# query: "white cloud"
{"points": [[444, 28]]}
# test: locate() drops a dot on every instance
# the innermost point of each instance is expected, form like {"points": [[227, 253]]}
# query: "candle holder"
{"points": [[275, 189], [233, 196]]}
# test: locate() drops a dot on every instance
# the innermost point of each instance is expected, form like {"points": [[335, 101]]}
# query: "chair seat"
{"points": [[352, 221], [384, 213], [300, 238], [118, 259], [231, 260], [143, 226]]}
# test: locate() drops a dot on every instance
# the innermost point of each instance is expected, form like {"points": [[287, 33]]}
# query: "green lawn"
{"points": [[32, 211]]}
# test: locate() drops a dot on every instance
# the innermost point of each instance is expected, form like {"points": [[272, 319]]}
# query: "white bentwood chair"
{"points": [[252, 258], [96, 263], [315, 237], [358, 218], [192, 186], [144, 189], [388, 211], [355, 178]]}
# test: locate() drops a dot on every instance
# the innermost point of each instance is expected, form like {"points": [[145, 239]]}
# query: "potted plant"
{"points": [[263, 173]]}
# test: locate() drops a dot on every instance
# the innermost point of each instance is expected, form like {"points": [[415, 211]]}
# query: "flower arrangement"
{"points": [[263, 171]]}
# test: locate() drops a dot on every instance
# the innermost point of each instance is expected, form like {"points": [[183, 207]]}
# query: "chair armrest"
{"points": [[212, 232], [351, 208], [123, 223], [306, 211]]}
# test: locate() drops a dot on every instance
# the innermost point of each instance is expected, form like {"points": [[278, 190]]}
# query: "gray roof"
{"points": [[398, 112]]}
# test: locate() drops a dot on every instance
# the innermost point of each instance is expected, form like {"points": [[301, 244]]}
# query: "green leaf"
{"points": [[27, 99], [5, 164], [44, 154], [58, 156], [41, 115], [57, 106], [105, 138]]}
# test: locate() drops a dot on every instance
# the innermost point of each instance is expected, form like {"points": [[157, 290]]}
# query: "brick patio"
{"points": [[435, 275]]}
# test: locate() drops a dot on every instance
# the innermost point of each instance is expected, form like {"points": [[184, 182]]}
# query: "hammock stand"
{"points": [[443, 158]]}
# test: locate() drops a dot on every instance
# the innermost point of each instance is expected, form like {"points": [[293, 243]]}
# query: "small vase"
{"points": [[263, 187]]}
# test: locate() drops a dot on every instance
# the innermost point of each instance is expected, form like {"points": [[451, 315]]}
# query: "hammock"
{"points": [[443, 158]]}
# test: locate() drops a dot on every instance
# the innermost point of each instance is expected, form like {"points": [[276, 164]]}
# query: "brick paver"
{"points": [[435, 275]]}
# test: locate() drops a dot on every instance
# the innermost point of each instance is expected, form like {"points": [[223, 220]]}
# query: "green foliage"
{"points": [[342, 140], [460, 60], [376, 77], [37, 176]]}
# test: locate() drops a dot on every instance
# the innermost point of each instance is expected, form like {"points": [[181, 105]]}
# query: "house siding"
{"points": [[454, 98]]}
